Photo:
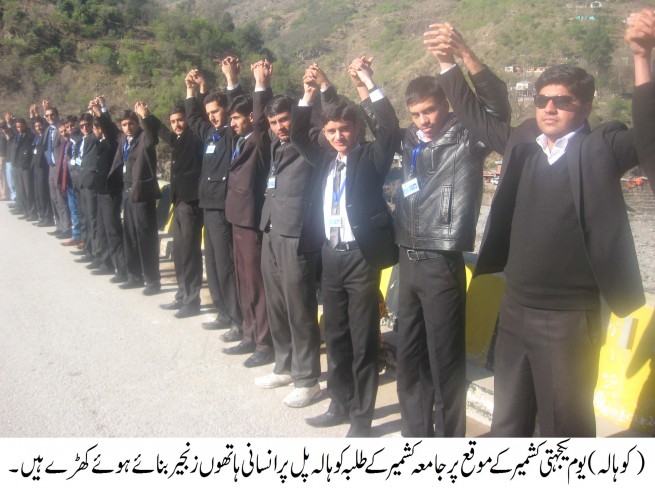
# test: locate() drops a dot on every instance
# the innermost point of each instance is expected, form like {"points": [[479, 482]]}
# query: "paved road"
{"points": [[81, 358]]}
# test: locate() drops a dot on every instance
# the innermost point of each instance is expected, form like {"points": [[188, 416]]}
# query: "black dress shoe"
{"points": [[78, 252], [234, 334], [55, 232], [131, 284], [93, 265], [45, 223], [23, 217], [102, 270], [152, 289], [260, 358], [240, 348], [32, 218], [187, 311], [119, 278], [85, 259], [67, 234], [220, 322], [327, 419], [174, 305]]}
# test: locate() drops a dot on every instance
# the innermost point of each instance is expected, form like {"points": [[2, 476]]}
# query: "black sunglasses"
{"points": [[561, 102]]}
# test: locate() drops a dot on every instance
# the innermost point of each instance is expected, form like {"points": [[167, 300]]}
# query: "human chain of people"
{"points": [[287, 197]]}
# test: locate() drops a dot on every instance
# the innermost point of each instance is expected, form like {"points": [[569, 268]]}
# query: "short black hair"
{"points": [[40, 120], [575, 79], [422, 88], [20, 120], [177, 110], [55, 110], [218, 97], [241, 104], [70, 119], [340, 111], [97, 122], [86, 117], [128, 114], [278, 105]]}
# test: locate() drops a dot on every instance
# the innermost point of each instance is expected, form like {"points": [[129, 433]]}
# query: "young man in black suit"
{"points": [[40, 167], [290, 254], [348, 205], [21, 159], [186, 161], [110, 227], [136, 159], [209, 126], [559, 230], [243, 205]]}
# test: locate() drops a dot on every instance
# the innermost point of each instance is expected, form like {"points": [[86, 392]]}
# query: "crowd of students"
{"points": [[290, 195]]}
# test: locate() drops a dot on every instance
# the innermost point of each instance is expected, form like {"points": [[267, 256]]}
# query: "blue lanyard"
{"points": [[415, 154], [215, 136], [126, 150], [336, 197]]}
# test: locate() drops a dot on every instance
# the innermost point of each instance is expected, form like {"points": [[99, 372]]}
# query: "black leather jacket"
{"points": [[443, 214]]}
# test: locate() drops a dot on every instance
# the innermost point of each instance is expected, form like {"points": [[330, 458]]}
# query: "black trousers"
{"points": [[59, 202], [94, 246], [431, 350], [141, 239], [26, 183], [187, 253], [351, 312], [219, 263], [110, 230], [247, 246], [20, 189], [546, 365], [290, 285], [42, 193]]}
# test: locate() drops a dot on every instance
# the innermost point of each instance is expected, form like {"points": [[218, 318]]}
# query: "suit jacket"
{"points": [[596, 160], [186, 158], [644, 133], [143, 158], [287, 204], [246, 183], [366, 170], [21, 151], [212, 188], [94, 168], [38, 152]]}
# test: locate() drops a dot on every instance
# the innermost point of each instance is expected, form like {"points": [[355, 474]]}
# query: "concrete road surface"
{"points": [[81, 358]]}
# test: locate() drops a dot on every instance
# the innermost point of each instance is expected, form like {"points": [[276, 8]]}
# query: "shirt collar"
{"points": [[559, 148]]}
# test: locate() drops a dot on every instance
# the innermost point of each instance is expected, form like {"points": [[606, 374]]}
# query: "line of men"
{"points": [[290, 191]]}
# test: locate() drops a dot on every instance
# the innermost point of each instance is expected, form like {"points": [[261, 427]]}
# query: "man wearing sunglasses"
{"points": [[559, 230]]}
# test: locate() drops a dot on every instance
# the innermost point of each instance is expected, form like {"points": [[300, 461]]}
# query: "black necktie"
{"points": [[336, 198]]}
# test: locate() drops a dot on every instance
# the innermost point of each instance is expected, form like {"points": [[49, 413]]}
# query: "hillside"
{"points": [[69, 50]]}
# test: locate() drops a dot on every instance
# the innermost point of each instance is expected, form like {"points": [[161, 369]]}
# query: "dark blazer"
{"points": [[143, 156], [596, 160], [287, 204], [186, 158], [21, 151], [38, 152], [366, 169], [212, 188], [249, 171], [94, 170], [645, 133]]}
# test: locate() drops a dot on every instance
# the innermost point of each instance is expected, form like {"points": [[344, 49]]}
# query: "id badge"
{"points": [[334, 221], [210, 149], [124, 168], [271, 182], [410, 187], [35, 150]]}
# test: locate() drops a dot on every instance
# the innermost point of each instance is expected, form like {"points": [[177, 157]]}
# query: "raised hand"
{"points": [[141, 109], [231, 67], [262, 70]]}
